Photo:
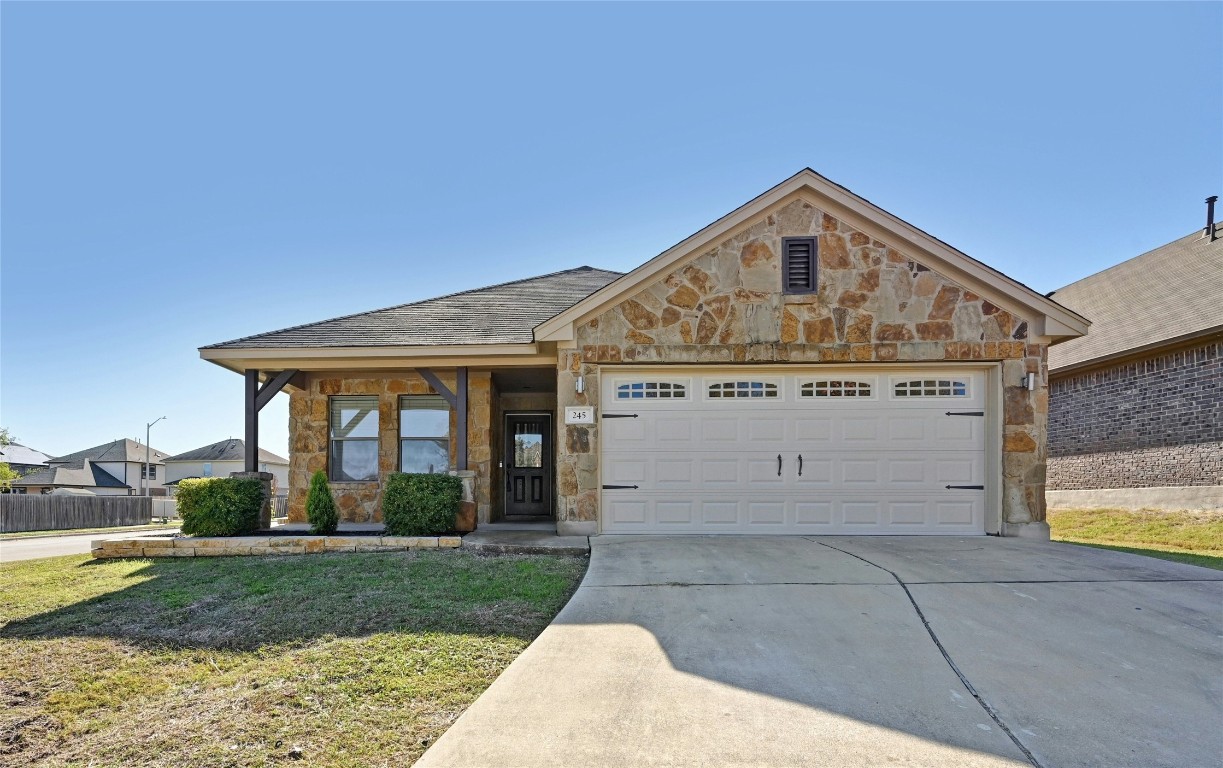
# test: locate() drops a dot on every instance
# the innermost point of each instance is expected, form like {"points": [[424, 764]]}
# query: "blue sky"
{"points": [[177, 174]]}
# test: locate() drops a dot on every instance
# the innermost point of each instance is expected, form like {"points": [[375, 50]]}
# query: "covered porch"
{"points": [[495, 426]]}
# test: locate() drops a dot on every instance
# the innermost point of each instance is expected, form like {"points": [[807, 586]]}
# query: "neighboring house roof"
{"points": [[85, 476], [119, 450], [498, 314], [1171, 294], [226, 450], [16, 453]]}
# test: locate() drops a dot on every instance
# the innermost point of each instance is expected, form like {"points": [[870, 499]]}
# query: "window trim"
{"points": [[400, 439], [672, 386], [772, 389], [813, 284], [332, 439]]}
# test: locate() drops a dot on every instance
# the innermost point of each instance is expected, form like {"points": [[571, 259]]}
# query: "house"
{"points": [[22, 459], [808, 363], [219, 460], [111, 469], [1136, 406]]}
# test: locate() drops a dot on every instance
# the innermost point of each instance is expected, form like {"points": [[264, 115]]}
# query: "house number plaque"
{"points": [[579, 414]]}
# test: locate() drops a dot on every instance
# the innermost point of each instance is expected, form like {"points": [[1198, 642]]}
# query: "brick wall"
{"points": [[1153, 422]]}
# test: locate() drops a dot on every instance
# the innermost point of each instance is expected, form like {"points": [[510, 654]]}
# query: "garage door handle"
{"points": [[800, 465], [779, 465], [618, 487], [965, 413], [967, 487], [619, 415]]}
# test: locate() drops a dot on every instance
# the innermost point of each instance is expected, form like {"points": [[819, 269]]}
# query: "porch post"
{"points": [[252, 420], [460, 384]]}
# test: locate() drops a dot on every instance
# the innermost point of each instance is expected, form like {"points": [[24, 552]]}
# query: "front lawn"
{"points": [[330, 660], [1186, 537]]}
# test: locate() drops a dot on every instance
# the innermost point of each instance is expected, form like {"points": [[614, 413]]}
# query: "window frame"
{"points": [[332, 439], [448, 437], [813, 262]]}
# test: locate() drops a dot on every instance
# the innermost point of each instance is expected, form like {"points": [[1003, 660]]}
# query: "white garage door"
{"points": [[815, 452]]}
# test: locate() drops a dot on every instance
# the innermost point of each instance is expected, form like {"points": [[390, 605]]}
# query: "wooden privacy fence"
{"points": [[53, 513]]}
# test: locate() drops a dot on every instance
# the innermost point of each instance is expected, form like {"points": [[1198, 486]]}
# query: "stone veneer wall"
{"points": [[875, 304], [362, 502], [1152, 422]]}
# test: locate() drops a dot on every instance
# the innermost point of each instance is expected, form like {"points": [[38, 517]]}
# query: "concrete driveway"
{"points": [[916, 651]]}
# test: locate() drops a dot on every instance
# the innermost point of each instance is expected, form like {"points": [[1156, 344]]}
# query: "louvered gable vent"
{"points": [[798, 264]]}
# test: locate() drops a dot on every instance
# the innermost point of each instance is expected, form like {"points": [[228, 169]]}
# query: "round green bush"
{"points": [[420, 505], [219, 506], [320, 506]]}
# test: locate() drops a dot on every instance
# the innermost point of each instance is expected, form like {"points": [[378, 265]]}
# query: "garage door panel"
{"points": [[849, 513]]}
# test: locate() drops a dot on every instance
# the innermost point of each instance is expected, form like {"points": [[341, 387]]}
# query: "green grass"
{"points": [[355, 659], [79, 531], [1185, 537]]}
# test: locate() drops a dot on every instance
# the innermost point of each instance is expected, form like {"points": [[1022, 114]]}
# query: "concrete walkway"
{"points": [[36, 547], [787, 651]]}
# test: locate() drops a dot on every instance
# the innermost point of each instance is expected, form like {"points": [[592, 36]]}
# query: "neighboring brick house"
{"points": [[1136, 406], [808, 363]]}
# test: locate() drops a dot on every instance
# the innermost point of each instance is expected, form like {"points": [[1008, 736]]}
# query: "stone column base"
{"points": [[1036, 531], [465, 521], [576, 528], [267, 478]]}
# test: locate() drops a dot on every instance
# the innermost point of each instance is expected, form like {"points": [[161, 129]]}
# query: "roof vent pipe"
{"points": [[1210, 218]]}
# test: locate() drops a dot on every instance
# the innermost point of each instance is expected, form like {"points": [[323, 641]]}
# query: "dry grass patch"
{"points": [[330, 660], [1194, 537]]}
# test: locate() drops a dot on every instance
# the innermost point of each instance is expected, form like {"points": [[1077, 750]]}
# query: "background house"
{"points": [[22, 459], [222, 458], [1136, 406], [112, 469]]}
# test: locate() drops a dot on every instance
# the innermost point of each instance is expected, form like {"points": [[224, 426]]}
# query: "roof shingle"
{"points": [[1169, 293], [499, 314], [226, 450]]}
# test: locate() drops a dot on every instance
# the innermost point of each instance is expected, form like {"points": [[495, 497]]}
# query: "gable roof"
{"points": [[1164, 296], [497, 314], [16, 453], [1047, 317], [226, 450], [118, 450], [85, 476]]}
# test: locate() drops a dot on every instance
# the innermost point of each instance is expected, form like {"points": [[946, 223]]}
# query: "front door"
{"points": [[528, 465]]}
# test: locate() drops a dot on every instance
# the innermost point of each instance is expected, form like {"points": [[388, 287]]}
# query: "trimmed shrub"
{"points": [[320, 506], [420, 505], [220, 506]]}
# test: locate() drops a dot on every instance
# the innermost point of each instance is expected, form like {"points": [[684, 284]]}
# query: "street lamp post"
{"points": [[148, 491]]}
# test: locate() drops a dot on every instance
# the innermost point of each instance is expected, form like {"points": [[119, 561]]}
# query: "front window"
{"points": [[149, 472], [424, 434], [354, 439]]}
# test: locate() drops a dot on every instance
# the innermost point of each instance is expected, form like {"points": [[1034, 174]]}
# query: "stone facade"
{"points": [[1151, 422], [362, 502], [875, 304]]}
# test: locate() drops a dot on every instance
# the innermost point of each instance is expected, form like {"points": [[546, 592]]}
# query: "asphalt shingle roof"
{"points": [[16, 453], [119, 450], [499, 314], [85, 476], [1171, 292], [226, 450]]}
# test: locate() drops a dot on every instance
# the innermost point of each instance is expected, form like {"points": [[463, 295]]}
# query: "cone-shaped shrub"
{"points": [[320, 506]]}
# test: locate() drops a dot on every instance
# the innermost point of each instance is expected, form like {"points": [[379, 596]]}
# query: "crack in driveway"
{"points": [[946, 656]]}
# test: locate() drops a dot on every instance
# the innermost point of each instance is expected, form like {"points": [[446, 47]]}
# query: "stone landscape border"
{"points": [[225, 546]]}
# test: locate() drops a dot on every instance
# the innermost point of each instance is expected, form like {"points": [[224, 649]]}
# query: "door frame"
{"points": [[549, 465]]}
